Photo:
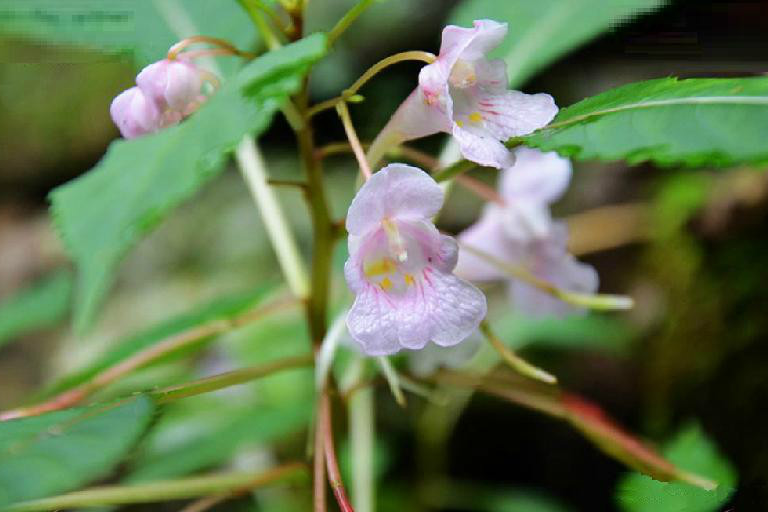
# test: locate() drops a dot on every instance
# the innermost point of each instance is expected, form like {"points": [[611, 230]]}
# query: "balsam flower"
{"points": [[167, 91], [465, 94], [522, 233], [400, 267]]}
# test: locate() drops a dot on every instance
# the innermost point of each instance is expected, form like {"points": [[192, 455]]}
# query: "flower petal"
{"points": [[442, 308], [536, 176], [488, 235], [508, 114], [425, 362], [134, 114], [483, 148], [398, 191]]}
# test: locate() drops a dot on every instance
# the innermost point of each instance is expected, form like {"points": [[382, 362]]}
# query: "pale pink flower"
{"points": [[522, 233], [400, 267], [465, 94], [135, 114], [174, 85], [167, 91]]}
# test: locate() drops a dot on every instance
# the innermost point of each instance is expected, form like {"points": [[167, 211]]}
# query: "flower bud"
{"points": [[171, 84], [134, 114]]}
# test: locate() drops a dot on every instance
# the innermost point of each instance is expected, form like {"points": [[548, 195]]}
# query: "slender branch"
{"points": [[516, 362], [227, 47], [161, 349], [362, 432], [454, 170], [602, 302], [354, 142], [225, 380], [480, 189], [332, 465], [427, 57], [163, 491], [270, 38], [253, 170], [343, 24], [393, 380], [319, 495], [208, 503], [608, 227]]}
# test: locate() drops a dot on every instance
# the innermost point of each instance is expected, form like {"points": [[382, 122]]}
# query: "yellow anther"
{"points": [[476, 117], [379, 267], [409, 281], [385, 284], [459, 123]]}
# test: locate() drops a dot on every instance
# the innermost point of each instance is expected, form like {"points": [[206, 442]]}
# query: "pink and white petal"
{"points": [[134, 114], [483, 148], [413, 119], [536, 176], [513, 113], [486, 235], [488, 35], [492, 75], [152, 80], [527, 220], [183, 84], [567, 274], [372, 322], [398, 191], [353, 272], [425, 362], [455, 307]]}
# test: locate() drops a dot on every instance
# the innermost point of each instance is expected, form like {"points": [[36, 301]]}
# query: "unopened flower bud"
{"points": [[134, 114]]}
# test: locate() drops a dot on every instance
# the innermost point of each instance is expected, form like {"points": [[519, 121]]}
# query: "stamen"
{"points": [[476, 117], [396, 243]]}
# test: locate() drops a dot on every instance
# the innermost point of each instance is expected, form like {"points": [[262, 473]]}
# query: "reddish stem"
{"points": [[334, 475]]}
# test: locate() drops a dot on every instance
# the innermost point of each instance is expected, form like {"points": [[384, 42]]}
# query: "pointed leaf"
{"points": [[102, 214], [696, 122], [692, 450], [63, 450]]}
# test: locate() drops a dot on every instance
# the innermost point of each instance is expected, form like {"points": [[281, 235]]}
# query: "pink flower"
{"points": [[167, 92], [465, 94], [400, 267], [134, 114], [174, 85], [522, 233]]}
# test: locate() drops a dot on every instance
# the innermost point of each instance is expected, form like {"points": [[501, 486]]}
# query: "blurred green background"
{"points": [[694, 348]]}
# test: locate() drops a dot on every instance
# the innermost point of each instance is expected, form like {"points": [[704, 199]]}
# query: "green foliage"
{"points": [[39, 306], [221, 309], [103, 213], [692, 451], [542, 31], [63, 450], [203, 432], [141, 28], [694, 122]]}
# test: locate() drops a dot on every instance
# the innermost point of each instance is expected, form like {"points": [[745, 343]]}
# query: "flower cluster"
{"points": [[400, 267], [165, 93]]}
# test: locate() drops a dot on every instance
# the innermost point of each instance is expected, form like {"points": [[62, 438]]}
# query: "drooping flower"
{"points": [[522, 233], [401, 268], [465, 94], [135, 114], [167, 91]]}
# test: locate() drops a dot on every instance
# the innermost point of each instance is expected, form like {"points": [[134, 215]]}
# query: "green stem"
{"points": [[163, 491], [253, 10], [361, 438], [343, 24], [516, 362], [225, 380]]}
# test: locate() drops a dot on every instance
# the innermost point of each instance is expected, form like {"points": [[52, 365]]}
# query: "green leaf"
{"points": [[692, 451], [204, 432], [103, 213], [143, 28], [542, 31], [221, 309], [37, 307], [63, 450], [694, 122]]}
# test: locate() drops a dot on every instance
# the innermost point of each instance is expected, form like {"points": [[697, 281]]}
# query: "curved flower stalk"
{"points": [[167, 91], [522, 232], [465, 94], [401, 268]]}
